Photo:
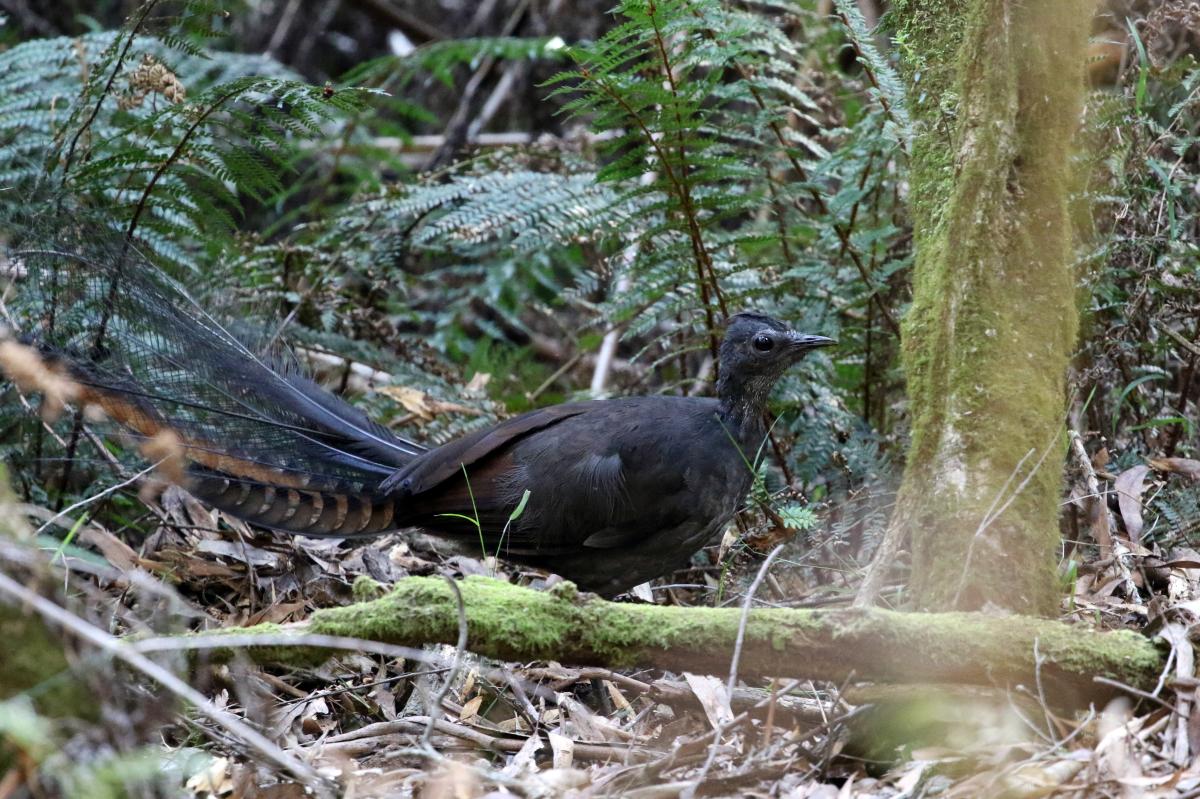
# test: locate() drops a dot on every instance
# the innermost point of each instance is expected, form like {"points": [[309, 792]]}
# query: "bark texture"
{"points": [[996, 90]]}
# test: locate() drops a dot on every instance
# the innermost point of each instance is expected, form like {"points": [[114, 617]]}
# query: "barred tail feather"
{"points": [[295, 510], [257, 440]]}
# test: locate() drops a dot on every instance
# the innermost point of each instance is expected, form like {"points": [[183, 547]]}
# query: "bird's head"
{"points": [[755, 353], [757, 345]]}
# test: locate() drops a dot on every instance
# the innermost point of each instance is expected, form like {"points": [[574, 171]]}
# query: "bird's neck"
{"points": [[741, 403]]}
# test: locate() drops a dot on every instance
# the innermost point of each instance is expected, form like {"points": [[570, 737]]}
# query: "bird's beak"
{"points": [[801, 343]]}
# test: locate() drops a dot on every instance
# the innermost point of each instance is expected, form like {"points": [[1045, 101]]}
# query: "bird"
{"points": [[611, 492]]}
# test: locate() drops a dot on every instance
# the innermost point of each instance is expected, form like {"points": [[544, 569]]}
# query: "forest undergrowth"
{"points": [[559, 206]]}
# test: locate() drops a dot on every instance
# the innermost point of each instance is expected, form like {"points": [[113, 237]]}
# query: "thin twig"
{"points": [[365, 739], [1120, 553], [690, 791], [1136, 692], [1038, 662], [460, 647], [993, 513], [89, 500], [146, 9], [314, 640], [746, 606], [122, 651]]}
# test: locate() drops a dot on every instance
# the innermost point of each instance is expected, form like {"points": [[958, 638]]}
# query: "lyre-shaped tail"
{"points": [[257, 439]]}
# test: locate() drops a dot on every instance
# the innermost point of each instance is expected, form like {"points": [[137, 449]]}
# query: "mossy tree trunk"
{"points": [[996, 91]]}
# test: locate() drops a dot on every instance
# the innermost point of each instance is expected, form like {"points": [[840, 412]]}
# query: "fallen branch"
{"points": [[875, 645]]}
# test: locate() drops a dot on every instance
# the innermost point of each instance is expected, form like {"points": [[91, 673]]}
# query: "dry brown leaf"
{"points": [[1032, 781], [1186, 466], [562, 781], [186, 510], [277, 613], [714, 698], [471, 709], [212, 781], [242, 552], [1176, 635], [563, 749], [525, 760], [413, 400], [478, 384], [193, 567], [618, 698], [316, 718], [586, 725], [114, 550], [1129, 486], [453, 780], [421, 404], [514, 724]]}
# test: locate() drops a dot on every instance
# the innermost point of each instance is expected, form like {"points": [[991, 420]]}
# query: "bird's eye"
{"points": [[763, 343]]}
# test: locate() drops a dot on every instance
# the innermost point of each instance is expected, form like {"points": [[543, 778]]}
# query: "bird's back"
{"points": [[619, 490]]}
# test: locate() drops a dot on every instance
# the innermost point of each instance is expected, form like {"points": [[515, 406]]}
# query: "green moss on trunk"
{"points": [[996, 89]]}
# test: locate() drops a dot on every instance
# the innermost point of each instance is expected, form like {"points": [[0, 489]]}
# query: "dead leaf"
{"points": [[617, 697], [276, 613], [240, 551], [422, 405], [563, 749], [586, 725], [714, 699], [212, 781], [1129, 486], [514, 724], [1176, 635], [413, 400], [114, 550], [195, 568], [471, 709], [525, 760], [642, 591], [563, 781], [1186, 466], [186, 510], [1101, 527], [453, 780], [478, 384], [316, 718]]}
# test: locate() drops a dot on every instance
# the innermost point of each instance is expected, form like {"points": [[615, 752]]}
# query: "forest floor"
{"points": [[444, 723]]}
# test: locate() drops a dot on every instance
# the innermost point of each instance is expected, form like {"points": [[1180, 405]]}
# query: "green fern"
{"points": [[90, 116]]}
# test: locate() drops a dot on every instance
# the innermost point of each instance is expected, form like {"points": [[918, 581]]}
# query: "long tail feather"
{"points": [[260, 441]]}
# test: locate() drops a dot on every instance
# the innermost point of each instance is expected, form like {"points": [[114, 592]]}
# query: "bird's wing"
{"points": [[606, 478], [432, 469]]}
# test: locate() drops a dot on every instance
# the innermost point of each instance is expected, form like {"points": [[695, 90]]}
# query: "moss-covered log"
{"points": [[511, 623], [996, 92]]}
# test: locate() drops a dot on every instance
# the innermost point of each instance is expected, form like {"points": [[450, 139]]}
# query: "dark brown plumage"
{"points": [[621, 490]]}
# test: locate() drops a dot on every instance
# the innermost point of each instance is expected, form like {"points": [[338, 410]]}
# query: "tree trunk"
{"points": [[517, 624], [996, 90]]}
